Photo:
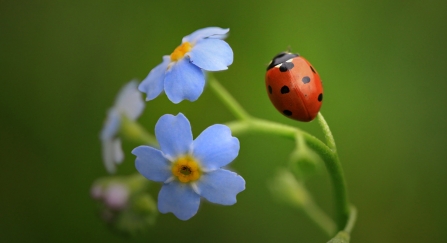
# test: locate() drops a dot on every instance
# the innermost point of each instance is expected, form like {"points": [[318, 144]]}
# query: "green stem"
{"points": [[254, 125], [286, 189], [260, 126], [133, 131], [341, 196], [351, 220], [336, 171], [327, 132], [344, 235], [227, 99], [248, 124], [320, 218]]}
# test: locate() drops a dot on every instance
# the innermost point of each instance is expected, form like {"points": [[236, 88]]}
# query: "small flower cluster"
{"points": [[181, 74], [188, 168], [128, 105], [124, 203]]}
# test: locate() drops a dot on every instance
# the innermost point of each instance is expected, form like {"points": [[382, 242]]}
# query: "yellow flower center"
{"points": [[180, 51], [186, 169]]}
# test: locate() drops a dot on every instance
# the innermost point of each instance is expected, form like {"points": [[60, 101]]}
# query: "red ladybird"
{"points": [[294, 87]]}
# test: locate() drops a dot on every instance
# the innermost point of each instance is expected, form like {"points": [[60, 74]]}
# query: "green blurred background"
{"points": [[383, 64]]}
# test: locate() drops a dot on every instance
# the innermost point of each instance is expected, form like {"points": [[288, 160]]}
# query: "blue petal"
{"points": [[152, 164], [112, 154], [215, 147], [184, 81], [111, 125], [211, 55], [152, 85], [118, 154], [209, 32], [129, 101], [179, 199], [174, 135], [220, 186]]}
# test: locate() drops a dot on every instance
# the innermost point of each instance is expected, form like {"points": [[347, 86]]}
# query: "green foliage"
{"points": [[305, 162], [383, 69]]}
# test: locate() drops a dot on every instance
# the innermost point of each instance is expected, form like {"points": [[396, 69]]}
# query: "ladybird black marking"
{"points": [[285, 89], [270, 89], [320, 97], [286, 66], [281, 58], [306, 79], [313, 70], [287, 112]]}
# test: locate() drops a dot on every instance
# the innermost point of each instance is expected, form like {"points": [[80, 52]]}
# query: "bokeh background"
{"points": [[383, 64]]}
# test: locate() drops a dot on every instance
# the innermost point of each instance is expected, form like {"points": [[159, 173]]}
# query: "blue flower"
{"points": [[128, 105], [180, 74], [190, 169]]}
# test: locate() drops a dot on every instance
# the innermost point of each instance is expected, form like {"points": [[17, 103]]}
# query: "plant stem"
{"points": [[320, 218], [336, 171], [285, 188], [227, 99], [341, 197], [351, 220], [327, 132], [248, 124], [254, 125], [133, 131]]}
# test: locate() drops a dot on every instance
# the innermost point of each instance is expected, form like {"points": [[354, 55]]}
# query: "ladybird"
{"points": [[294, 87]]}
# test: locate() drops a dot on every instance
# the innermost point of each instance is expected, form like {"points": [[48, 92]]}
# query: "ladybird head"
{"points": [[280, 58]]}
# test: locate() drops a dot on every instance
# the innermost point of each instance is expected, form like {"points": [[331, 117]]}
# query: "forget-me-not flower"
{"points": [[128, 105], [180, 74], [190, 169]]}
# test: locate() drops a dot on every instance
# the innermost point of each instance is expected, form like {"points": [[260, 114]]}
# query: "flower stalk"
{"points": [[227, 99], [133, 131], [250, 125]]}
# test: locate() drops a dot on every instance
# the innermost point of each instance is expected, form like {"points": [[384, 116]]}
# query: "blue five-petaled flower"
{"points": [[190, 169], [180, 74]]}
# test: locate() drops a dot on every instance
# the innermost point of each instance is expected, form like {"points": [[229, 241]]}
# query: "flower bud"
{"points": [[116, 196], [305, 162], [124, 203]]}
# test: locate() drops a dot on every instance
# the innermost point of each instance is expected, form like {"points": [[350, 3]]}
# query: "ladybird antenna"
{"points": [[289, 49]]}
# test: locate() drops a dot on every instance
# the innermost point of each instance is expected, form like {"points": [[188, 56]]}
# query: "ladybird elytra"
{"points": [[294, 87]]}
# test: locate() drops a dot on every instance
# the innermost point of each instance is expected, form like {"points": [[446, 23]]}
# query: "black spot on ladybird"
{"points": [[320, 97], [284, 89], [286, 66], [313, 70], [287, 112], [280, 58], [270, 89], [306, 79]]}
